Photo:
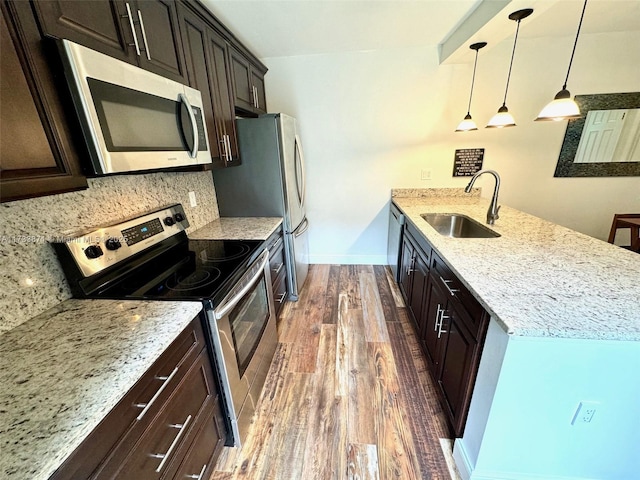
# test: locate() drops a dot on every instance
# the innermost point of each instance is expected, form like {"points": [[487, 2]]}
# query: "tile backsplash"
{"points": [[31, 278]]}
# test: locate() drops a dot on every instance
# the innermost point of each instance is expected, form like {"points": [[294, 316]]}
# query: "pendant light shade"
{"points": [[562, 107], [503, 118], [468, 124]]}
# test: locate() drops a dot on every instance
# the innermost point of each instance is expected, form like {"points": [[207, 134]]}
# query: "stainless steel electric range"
{"points": [[151, 257]]}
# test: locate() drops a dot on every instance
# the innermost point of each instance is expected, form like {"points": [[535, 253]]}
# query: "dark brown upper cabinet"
{"points": [[141, 32], [208, 71], [37, 151], [248, 84]]}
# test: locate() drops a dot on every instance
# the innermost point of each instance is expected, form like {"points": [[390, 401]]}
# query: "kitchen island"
{"points": [[564, 329], [63, 371]]}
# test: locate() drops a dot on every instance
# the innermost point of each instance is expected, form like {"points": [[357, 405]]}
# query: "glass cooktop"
{"points": [[192, 270]]}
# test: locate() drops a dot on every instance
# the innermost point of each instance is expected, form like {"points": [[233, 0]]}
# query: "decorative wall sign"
{"points": [[467, 162]]}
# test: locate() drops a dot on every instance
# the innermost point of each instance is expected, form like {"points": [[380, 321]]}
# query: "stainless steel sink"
{"points": [[458, 226]]}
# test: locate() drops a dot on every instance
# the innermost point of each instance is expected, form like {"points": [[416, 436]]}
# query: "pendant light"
{"points": [[468, 124], [503, 118], [562, 107]]}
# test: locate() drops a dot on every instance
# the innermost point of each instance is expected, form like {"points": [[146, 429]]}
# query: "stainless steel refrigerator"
{"points": [[270, 182]]}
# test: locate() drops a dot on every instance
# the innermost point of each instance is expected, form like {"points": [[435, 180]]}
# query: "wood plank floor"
{"points": [[348, 395]]}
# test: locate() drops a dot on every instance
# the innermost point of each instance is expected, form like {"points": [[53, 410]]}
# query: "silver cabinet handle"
{"points": [[254, 91], [198, 477], [229, 155], [446, 283], [281, 299], [276, 271], [436, 324], [165, 456], [146, 406], [144, 36], [133, 29], [442, 318], [194, 125], [224, 154]]}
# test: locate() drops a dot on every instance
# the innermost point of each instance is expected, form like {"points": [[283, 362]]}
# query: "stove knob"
{"points": [[93, 251], [169, 221], [179, 217], [112, 244]]}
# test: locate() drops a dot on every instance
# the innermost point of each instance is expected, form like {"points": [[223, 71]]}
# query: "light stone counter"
{"points": [[64, 370], [238, 228], [538, 279]]}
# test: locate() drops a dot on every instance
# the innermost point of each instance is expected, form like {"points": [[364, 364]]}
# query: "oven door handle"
{"points": [[235, 296]]}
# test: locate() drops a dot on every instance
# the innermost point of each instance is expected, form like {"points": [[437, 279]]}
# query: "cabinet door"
{"points": [[455, 379], [435, 310], [223, 100], [100, 25], [242, 88], [248, 84], [407, 265], [37, 154], [257, 81], [200, 72], [419, 289], [159, 36]]}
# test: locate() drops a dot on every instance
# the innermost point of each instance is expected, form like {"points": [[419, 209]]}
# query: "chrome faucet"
{"points": [[492, 213]]}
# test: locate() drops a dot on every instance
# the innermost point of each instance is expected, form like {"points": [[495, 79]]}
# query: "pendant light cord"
{"points": [[504, 101], [473, 81], [564, 87]]}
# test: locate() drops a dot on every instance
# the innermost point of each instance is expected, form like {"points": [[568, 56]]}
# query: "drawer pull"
{"points": [[281, 299], [198, 477], [174, 444], [446, 283], [147, 406], [276, 271], [276, 243]]}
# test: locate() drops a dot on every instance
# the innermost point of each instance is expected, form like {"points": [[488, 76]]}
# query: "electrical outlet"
{"points": [[584, 412], [425, 174], [192, 199]]}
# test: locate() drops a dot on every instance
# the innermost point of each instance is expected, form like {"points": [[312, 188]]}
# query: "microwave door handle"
{"points": [[194, 125], [229, 303]]}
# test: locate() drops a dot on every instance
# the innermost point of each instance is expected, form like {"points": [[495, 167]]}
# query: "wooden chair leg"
{"points": [[614, 228]]}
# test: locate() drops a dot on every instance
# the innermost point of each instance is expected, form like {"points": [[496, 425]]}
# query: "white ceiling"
{"points": [[275, 28]]}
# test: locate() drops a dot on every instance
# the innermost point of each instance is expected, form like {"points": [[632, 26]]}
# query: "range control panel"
{"points": [[104, 247]]}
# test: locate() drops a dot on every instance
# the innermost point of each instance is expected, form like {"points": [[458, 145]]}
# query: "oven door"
{"points": [[244, 338]]}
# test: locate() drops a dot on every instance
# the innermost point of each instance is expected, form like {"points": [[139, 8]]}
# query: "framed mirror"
{"points": [[605, 141]]}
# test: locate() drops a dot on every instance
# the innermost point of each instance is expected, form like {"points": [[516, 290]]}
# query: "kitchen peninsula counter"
{"points": [[538, 279], [64, 370], [564, 330], [238, 228]]}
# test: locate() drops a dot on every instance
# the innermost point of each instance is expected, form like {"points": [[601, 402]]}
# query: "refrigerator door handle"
{"points": [[301, 194], [303, 227]]}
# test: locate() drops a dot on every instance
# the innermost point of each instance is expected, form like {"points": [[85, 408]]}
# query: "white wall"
{"points": [[370, 121], [527, 433]]}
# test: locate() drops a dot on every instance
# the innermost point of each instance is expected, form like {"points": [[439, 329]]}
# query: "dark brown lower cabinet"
{"points": [[449, 322], [169, 424]]}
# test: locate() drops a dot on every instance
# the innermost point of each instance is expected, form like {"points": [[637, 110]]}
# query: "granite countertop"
{"points": [[538, 279], [238, 228], [64, 370]]}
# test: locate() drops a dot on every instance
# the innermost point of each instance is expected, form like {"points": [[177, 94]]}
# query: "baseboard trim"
{"points": [[462, 460], [467, 472]]}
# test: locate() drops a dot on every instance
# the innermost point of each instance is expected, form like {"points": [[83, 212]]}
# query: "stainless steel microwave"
{"points": [[133, 120]]}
